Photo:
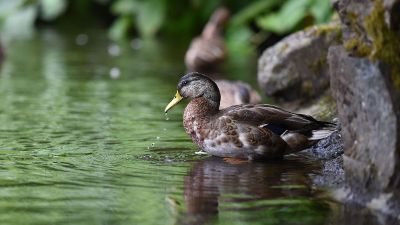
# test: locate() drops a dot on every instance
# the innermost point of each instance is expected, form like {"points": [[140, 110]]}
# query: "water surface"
{"points": [[83, 140]]}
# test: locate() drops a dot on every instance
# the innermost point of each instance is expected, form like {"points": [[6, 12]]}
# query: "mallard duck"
{"points": [[249, 131], [207, 51]]}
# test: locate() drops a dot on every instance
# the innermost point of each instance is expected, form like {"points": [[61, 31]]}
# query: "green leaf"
{"points": [[125, 7], [20, 23], [321, 10], [7, 7], [150, 17], [253, 10], [238, 39], [286, 19], [51, 9], [120, 28]]}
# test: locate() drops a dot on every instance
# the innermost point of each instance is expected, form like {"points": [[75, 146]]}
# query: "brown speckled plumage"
{"points": [[242, 131]]}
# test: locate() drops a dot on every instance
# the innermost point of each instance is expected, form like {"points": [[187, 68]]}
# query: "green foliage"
{"points": [[120, 27], [51, 9], [16, 19], [147, 16], [292, 13], [172, 17], [254, 9], [274, 16]]}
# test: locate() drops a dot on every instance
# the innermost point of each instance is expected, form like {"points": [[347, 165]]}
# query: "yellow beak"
{"points": [[174, 101]]}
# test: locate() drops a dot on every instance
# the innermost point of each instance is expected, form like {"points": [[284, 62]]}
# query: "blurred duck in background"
{"points": [[236, 93], [208, 51]]}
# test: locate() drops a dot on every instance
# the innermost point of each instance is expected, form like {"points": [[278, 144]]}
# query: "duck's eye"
{"points": [[184, 83]]}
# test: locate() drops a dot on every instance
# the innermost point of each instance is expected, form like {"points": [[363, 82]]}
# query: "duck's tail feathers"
{"points": [[322, 133]]}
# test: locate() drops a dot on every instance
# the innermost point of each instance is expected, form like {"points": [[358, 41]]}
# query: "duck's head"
{"points": [[216, 23], [196, 85]]}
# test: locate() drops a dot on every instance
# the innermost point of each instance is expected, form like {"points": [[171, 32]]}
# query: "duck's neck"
{"points": [[197, 114], [216, 24], [201, 108], [211, 31]]}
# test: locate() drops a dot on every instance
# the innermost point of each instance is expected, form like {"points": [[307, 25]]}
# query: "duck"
{"points": [[247, 131], [236, 92], [208, 51]]}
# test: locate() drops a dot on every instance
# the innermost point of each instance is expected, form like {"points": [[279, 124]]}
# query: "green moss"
{"points": [[326, 108], [351, 17], [385, 42], [307, 88], [357, 46], [318, 65], [327, 29], [283, 48]]}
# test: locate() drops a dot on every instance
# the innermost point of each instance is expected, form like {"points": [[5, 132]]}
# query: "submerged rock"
{"points": [[296, 67], [330, 147], [329, 151]]}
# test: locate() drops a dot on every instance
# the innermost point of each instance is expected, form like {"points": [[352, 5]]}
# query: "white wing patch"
{"points": [[320, 134]]}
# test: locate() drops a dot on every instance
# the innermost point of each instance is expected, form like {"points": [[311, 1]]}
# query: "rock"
{"points": [[329, 152], [392, 17], [368, 108], [322, 108], [331, 174], [371, 29], [368, 117], [365, 81], [296, 67], [330, 147]]}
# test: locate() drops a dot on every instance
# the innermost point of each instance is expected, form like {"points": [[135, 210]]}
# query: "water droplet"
{"points": [[114, 50], [158, 138], [168, 160], [166, 116], [115, 73], [153, 144], [82, 39]]}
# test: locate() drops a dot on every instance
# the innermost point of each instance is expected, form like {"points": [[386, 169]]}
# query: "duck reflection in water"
{"points": [[213, 181]]}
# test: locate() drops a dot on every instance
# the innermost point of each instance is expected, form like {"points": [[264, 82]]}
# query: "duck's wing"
{"points": [[274, 118]]}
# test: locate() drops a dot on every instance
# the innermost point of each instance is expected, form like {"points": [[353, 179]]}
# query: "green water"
{"points": [[78, 146]]}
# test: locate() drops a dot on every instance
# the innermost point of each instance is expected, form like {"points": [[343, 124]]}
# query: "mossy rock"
{"points": [[296, 67]]}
